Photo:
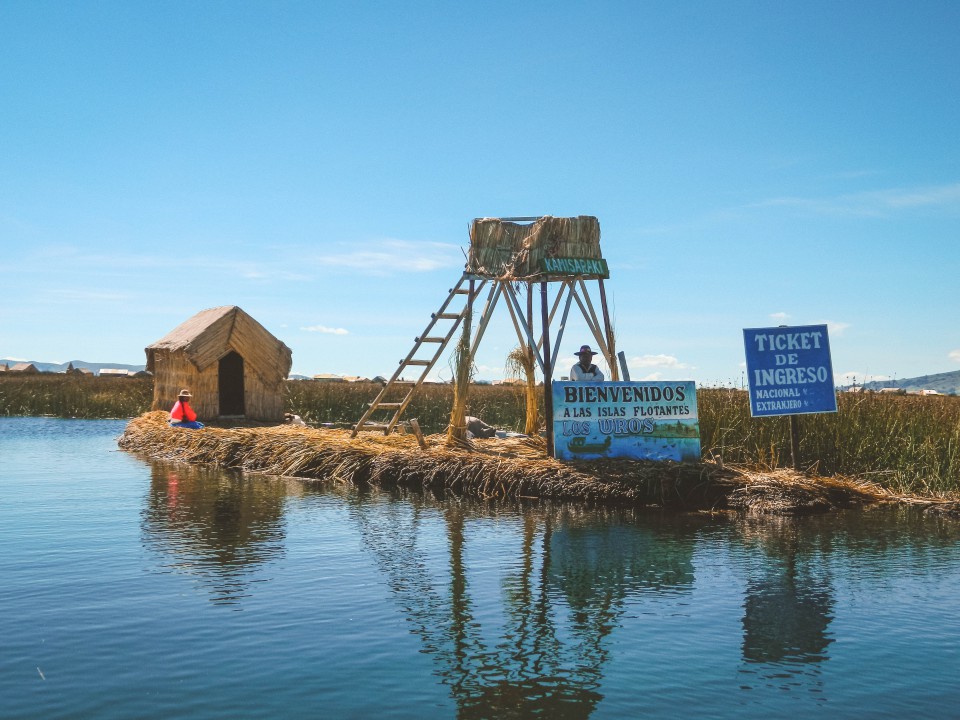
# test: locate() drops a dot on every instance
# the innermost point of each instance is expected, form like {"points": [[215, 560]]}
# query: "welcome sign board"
{"points": [[639, 420]]}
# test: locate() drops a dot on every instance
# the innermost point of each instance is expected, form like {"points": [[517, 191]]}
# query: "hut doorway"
{"points": [[230, 374]]}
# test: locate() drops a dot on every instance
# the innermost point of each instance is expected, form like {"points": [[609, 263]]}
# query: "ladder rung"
{"points": [[398, 407]]}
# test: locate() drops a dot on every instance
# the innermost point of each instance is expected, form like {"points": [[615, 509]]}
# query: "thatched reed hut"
{"points": [[502, 248], [233, 366]]}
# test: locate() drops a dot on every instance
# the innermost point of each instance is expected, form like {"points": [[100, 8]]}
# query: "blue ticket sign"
{"points": [[789, 370], [640, 420]]}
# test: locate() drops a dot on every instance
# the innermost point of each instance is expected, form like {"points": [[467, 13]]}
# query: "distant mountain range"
{"points": [[947, 383], [61, 367]]}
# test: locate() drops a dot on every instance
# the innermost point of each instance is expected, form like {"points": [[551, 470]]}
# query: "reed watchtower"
{"points": [[508, 259]]}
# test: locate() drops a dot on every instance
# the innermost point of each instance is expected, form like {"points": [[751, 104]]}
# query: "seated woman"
{"points": [[182, 414]]}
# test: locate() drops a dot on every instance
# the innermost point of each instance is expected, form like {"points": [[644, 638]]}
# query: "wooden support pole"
{"points": [[547, 369], [608, 330], [624, 370], [795, 441], [530, 307]]}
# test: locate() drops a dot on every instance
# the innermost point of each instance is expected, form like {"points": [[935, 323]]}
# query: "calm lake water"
{"points": [[133, 589]]}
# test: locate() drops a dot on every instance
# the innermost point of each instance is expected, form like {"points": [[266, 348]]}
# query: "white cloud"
{"points": [[258, 273], [664, 361], [836, 329], [876, 203], [955, 355], [654, 368], [779, 316], [388, 256], [485, 370], [326, 330]]}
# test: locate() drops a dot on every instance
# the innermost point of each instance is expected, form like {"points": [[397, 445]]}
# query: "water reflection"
{"points": [[530, 609], [545, 654], [790, 599], [788, 606], [214, 525]]}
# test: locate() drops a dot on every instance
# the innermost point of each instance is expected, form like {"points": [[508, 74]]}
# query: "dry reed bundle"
{"points": [[521, 360], [786, 492], [515, 468], [462, 374], [503, 249]]}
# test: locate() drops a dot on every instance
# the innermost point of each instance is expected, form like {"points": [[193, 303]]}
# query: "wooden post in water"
{"points": [[547, 369]]}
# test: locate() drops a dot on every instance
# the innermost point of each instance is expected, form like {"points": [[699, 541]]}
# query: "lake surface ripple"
{"points": [[134, 589]]}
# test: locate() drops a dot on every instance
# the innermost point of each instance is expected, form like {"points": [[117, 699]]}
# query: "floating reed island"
{"points": [[494, 468]]}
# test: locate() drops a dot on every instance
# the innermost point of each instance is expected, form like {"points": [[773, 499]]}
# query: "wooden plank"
{"points": [[416, 431]]}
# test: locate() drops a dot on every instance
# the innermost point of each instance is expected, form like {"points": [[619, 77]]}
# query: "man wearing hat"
{"points": [[182, 414], [585, 370]]}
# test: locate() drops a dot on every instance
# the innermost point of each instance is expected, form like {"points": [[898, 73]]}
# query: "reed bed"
{"points": [[908, 444], [74, 396], [515, 468], [343, 403], [905, 444], [497, 468]]}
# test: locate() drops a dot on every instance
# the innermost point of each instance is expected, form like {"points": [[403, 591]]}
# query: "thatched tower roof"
{"points": [[501, 248], [210, 334]]}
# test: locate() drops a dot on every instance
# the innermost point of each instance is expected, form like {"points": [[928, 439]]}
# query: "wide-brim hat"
{"points": [[184, 393], [585, 350]]}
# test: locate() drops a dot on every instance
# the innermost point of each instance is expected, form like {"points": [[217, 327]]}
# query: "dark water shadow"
{"points": [[790, 600], [216, 526]]}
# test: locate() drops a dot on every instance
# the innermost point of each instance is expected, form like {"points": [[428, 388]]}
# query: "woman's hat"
{"points": [[585, 350], [185, 393]]}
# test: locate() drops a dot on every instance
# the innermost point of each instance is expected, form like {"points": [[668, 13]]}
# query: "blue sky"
{"points": [[319, 163]]}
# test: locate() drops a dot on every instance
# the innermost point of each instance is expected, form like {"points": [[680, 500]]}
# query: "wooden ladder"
{"points": [[397, 393]]}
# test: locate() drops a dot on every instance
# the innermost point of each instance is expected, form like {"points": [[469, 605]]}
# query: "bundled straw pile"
{"points": [[503, 249], [513, 468], [786, 492], [521, 361], [462, 375]]}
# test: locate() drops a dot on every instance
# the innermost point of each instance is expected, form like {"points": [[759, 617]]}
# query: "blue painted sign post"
{"points": [[789, 372]]}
